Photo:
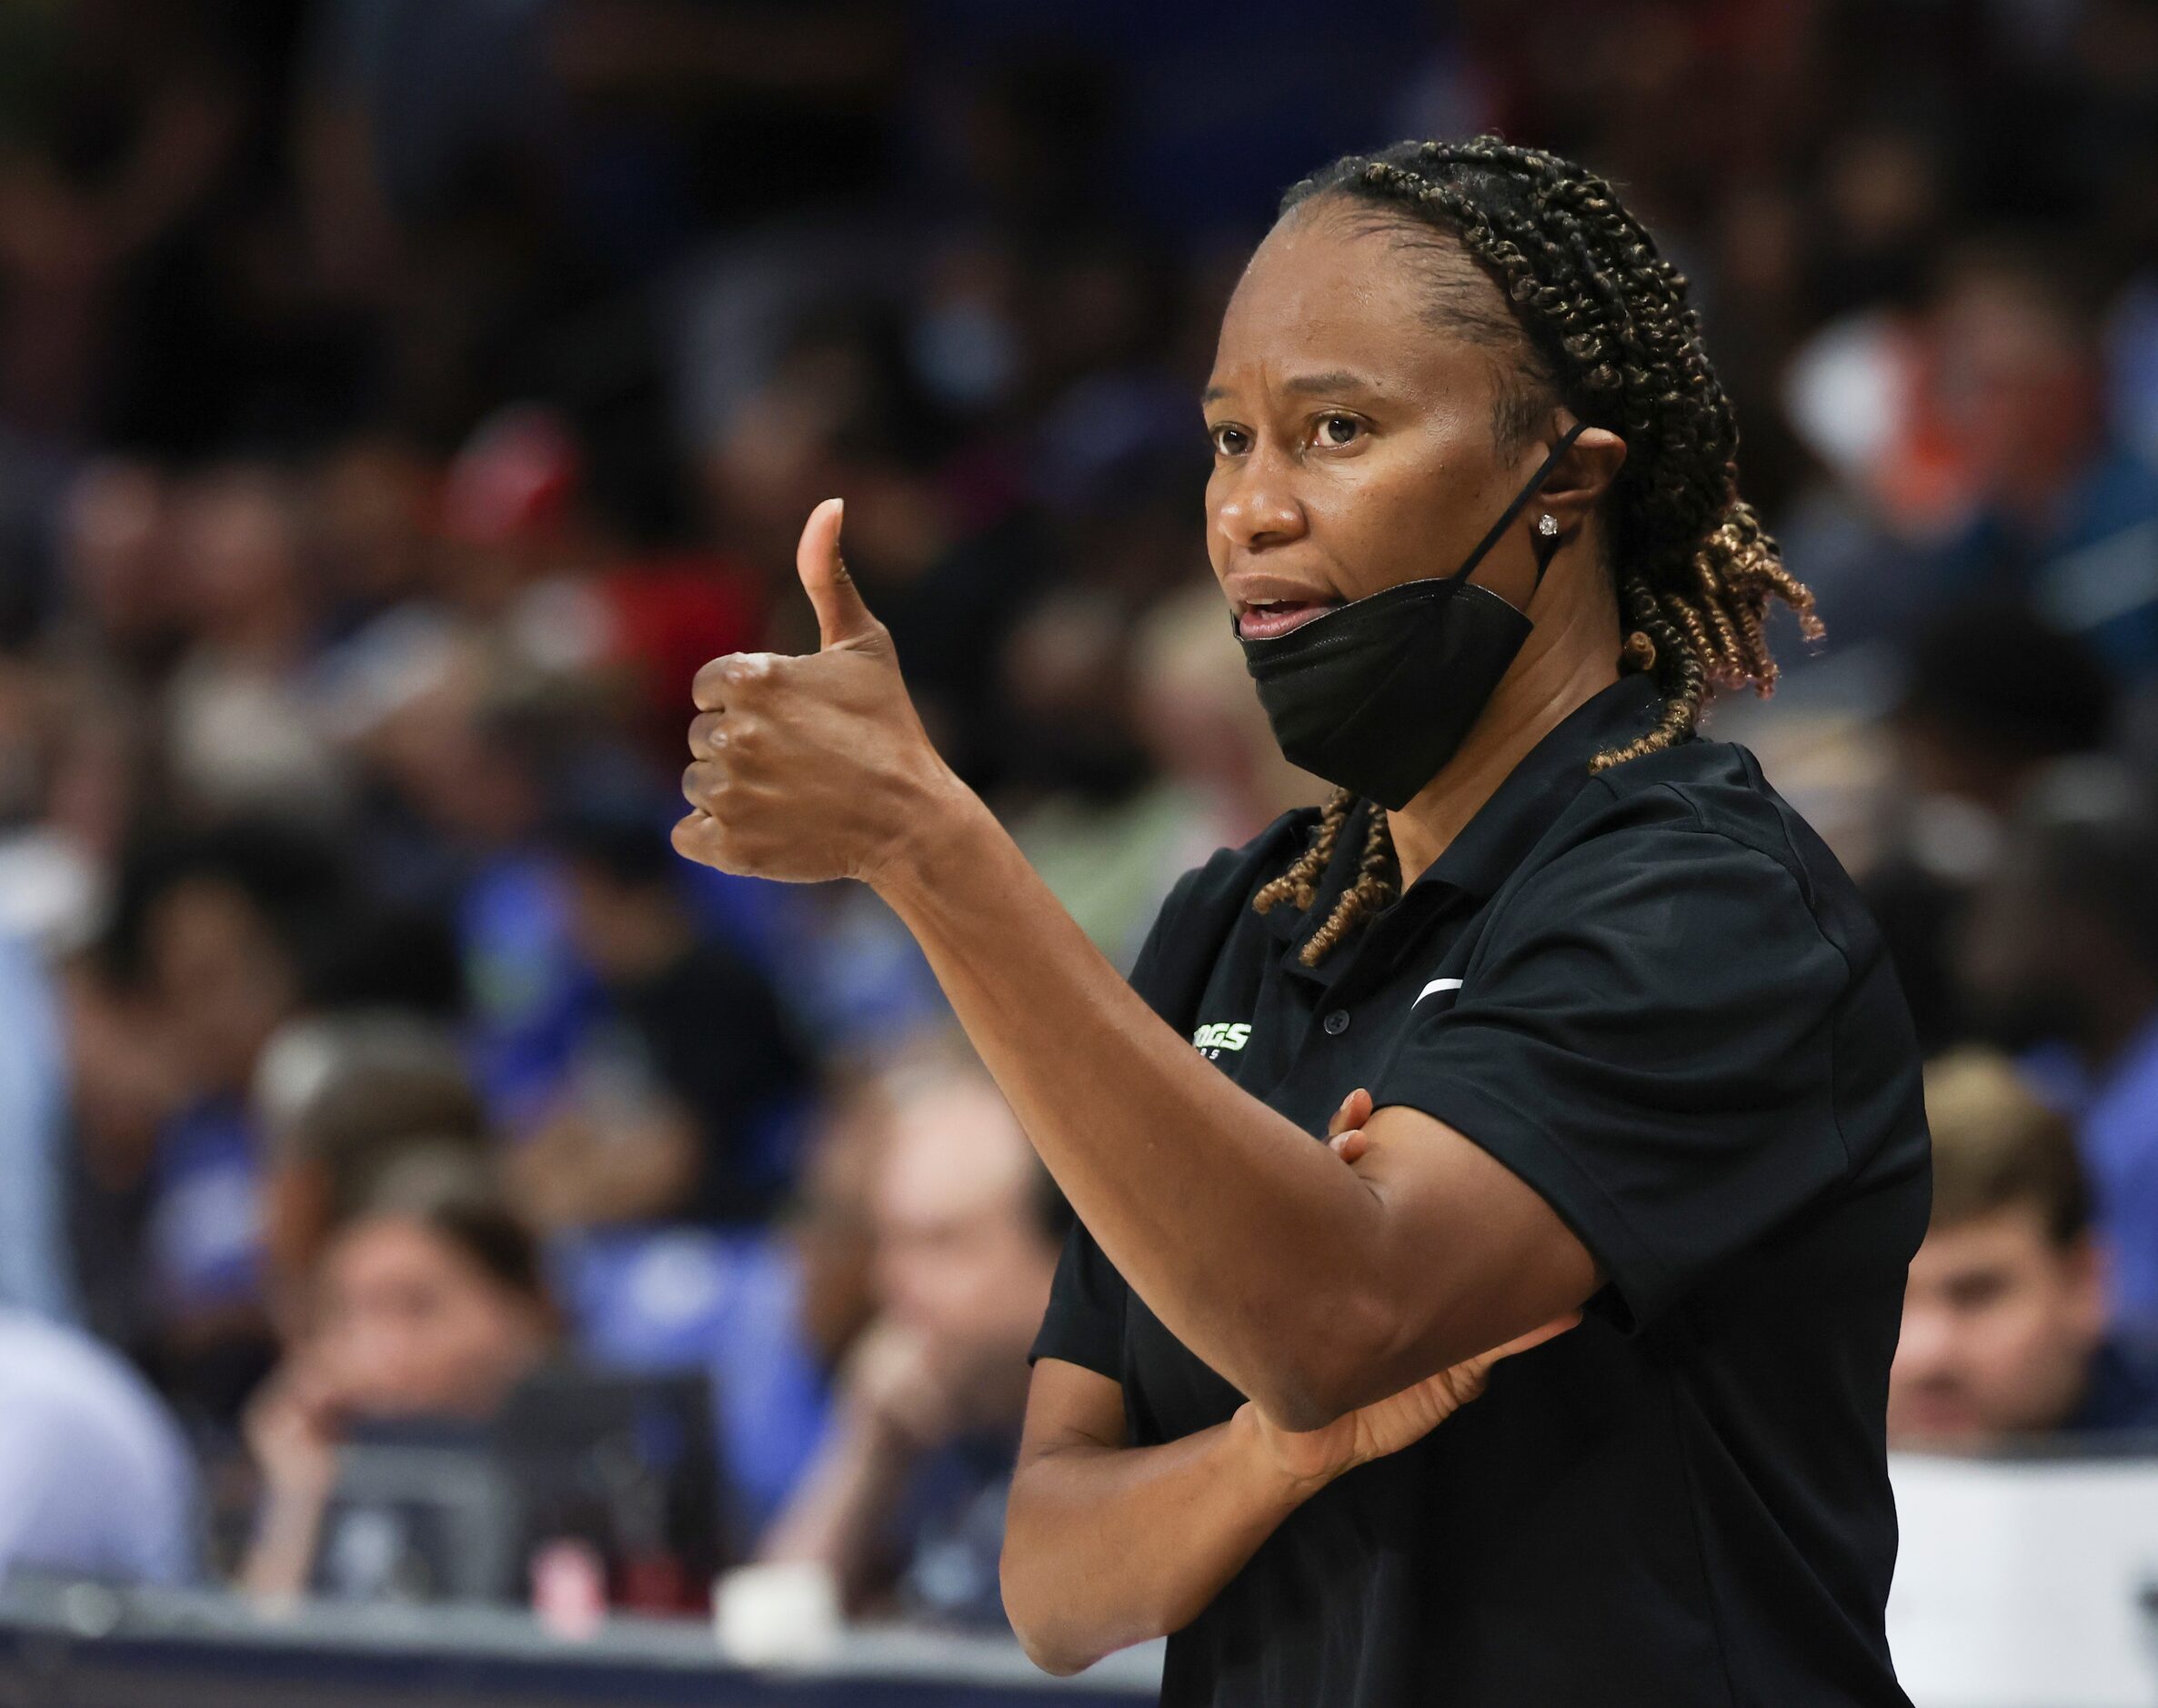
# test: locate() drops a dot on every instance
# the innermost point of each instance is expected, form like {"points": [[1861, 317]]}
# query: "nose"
{"points": [[1254, 507]]}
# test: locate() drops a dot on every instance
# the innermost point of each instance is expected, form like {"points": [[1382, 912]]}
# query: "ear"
{"points": [[1584, 475]]}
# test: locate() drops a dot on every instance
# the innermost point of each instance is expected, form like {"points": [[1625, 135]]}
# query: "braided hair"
{"points": [[1599, 321]]}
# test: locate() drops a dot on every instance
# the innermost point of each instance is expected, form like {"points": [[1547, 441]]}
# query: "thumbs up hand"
{"points": [[810, 767]]}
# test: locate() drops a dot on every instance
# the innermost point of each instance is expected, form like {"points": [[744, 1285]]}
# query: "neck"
{"points": [[1577, 658]]}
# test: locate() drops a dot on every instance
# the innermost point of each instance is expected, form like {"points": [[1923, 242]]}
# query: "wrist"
{"points": [[870, 1438], [936, 837]]}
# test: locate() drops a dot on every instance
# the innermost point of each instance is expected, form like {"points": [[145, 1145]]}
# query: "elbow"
{"points": [[1056, 1662], [1032, 1616], [1301, 1401], [1326, 1368]]}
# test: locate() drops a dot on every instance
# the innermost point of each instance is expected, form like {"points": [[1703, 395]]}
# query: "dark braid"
{"points": [[1599, 321], [1378, 878], [1299, 883]]}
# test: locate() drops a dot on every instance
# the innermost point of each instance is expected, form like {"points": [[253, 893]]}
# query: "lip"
{"points": [[1272, 620]]}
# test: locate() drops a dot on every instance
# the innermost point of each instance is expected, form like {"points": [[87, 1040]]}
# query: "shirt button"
{"points": [[1336, 1023]]}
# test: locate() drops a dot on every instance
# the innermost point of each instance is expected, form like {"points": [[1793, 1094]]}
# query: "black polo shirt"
{"points": [[1654, 995]]}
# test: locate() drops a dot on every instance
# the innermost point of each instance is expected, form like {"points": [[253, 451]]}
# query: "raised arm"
{"points": [[1311, 1286]]}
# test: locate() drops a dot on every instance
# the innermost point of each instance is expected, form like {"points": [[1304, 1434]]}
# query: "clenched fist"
{"points": [[812, 768]]}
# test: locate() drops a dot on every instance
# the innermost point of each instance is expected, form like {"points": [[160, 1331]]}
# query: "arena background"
{"points": [[400, 398]]}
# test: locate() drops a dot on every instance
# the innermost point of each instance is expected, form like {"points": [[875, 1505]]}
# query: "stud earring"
{"points": [[1547, 527]]}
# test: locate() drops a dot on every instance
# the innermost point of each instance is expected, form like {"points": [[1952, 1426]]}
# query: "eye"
{"points": [[1332, 428], [1227, 440]]}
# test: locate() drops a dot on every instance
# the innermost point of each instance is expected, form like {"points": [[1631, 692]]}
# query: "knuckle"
{"points": [[703, 782]]}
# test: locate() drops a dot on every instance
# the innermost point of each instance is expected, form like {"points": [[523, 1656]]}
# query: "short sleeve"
{"points": [[1084, 1323], [1645, 1037]]}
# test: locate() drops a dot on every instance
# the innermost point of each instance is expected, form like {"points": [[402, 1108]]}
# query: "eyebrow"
{"points": [[1334, 379]]}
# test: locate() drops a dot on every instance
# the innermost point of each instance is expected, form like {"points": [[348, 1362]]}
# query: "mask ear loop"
{"points": [[1520, 499]]}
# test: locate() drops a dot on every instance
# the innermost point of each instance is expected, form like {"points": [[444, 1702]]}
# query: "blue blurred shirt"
{"points": [[2123, 1390], [204, 1238], [2116, 1122], [689, 1298], [34, 1271]]}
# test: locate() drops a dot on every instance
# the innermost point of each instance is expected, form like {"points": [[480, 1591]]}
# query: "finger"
{"points": [[1349, 1146], [700, 780], [1535, 1337], [1355, 1111], [696, 836], [708, 735], [841, 616], [733, 679]]}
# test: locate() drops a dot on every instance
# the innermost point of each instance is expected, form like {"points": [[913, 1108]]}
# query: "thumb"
{"points": [[841, 616]]}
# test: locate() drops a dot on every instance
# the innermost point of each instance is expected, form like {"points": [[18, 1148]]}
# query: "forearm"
{"points": [[843, 1496], [1251, 1242], [1109, 1546], [281, 1556]]}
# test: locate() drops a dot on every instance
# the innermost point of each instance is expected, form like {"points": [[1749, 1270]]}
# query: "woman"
{"points": [[429, 1305], [1598, 1022]]}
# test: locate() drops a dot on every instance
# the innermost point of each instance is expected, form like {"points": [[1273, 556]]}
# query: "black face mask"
{"points": [[1378, 694]]}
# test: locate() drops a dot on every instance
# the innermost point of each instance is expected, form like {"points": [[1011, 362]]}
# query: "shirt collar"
{"points": [[1503, 829], [1537, 790]]}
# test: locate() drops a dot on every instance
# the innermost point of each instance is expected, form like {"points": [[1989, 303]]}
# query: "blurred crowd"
{"points": [[399, 399]]}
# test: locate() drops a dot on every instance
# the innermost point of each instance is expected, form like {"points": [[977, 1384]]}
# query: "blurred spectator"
{"points": [[2067, 514], [114, 546], [429, 1305], [905, 1502], [95, 1480], [340, 1102], [1992, 695], [2060, 954], [470, 749], [242, 728], [768, 1313], [230, 928], [2004, 1318], [684, 1071]]}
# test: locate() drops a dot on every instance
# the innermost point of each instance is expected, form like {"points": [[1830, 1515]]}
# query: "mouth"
{"points": [[1281, 617]]}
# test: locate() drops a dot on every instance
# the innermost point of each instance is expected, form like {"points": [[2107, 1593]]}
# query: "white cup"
{"points": [[778, 1613]]}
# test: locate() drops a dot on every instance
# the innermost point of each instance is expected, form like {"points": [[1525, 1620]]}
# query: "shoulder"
{"points": [[1703, 807], [64, 1383]]}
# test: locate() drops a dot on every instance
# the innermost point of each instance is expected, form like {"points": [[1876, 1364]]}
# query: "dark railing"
{"points": [[78, 1645]]}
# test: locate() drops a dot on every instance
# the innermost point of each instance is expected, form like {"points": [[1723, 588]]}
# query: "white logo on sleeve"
{"points": [[1221, 1035], [1434, 988]]}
